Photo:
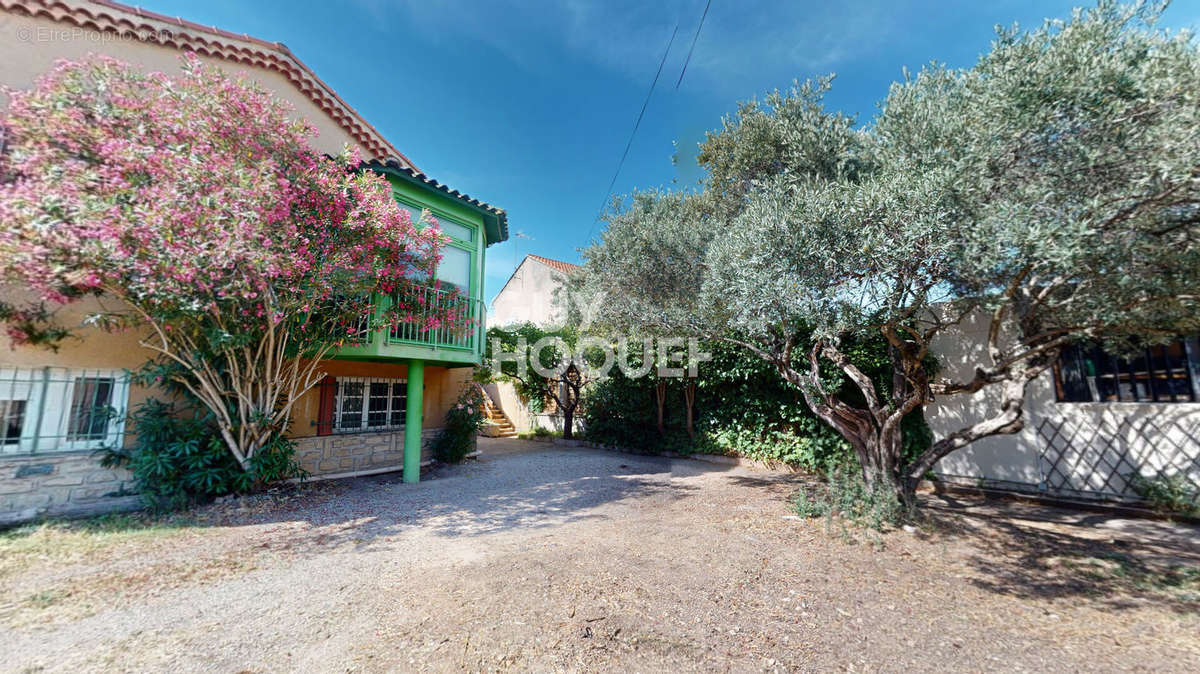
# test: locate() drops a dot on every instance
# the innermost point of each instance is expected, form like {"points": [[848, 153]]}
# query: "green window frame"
{"points": [[462, 239]]}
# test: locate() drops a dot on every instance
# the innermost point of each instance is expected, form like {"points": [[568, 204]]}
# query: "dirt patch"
{"points": [[545, 558]]}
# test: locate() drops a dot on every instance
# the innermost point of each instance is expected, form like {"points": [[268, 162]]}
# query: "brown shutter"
{"points": [[328, 400]]}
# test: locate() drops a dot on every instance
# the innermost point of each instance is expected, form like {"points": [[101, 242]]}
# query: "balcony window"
{"points": [[454, 230], [457, 256], [455, 268]]}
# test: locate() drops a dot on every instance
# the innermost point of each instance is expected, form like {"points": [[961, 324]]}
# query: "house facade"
{"points": [[528, 297], [377, 401], [1097, 426], [528, 294]]}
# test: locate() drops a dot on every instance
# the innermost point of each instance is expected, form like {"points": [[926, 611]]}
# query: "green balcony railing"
{"points": [[465, 332], [458, 341]]}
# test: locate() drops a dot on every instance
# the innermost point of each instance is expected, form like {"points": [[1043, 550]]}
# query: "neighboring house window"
{"points": [[1165, 373], [364, 404], [55, 409]]}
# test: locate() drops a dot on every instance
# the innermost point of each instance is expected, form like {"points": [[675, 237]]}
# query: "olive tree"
{"points": [[540, 364], [1053, 189]]}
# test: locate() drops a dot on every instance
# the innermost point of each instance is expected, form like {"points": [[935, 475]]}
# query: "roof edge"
{"points": [[557, 265], [127, 20], [495, 218]]}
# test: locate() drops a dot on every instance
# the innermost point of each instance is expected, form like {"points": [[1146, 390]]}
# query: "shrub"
{"points": [[463, 422], [180, 460], [742, 408], [848, 497], [1169, 494]]}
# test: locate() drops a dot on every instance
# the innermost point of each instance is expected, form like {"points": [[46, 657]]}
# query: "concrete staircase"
{"points": [[501, 427]]}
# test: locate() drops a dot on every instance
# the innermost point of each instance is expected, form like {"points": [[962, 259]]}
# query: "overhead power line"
{"points": [[693, 47], [636, 124]]}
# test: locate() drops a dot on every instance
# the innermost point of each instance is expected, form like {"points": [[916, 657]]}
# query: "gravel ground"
{"points": [[548, 559]]}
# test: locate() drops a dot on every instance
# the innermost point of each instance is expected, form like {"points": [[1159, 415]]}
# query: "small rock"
{"points": [[909, 528]]}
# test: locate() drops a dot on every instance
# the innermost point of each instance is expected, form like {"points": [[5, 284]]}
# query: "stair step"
{"points": [[503, 426]]}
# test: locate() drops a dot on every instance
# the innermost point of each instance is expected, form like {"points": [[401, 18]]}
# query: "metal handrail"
{"points": [[459, 334]]}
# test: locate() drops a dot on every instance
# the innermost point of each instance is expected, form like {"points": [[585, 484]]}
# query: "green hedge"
{"points": [[743, 407]]}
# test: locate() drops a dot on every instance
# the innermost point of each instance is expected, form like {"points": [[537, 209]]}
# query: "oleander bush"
{"points": [[180, 460], [462, 425]]}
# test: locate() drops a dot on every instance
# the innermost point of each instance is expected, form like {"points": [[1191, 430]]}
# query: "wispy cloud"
{"points": [[627, 36]]}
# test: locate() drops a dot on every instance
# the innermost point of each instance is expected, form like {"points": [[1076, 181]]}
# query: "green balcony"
{"points": [[450, 345]]}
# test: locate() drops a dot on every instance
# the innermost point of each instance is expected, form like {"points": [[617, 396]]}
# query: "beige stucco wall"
{"points": [[504, 395], [30, 46], [89, 349], [528, 296], [1099, 442]]}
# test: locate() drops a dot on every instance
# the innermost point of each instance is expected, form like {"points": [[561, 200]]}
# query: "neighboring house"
{"points": [[529, 297], [1091, 423], [55, 407]]}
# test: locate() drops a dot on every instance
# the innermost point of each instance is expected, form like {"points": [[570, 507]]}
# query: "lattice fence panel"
{"points": [[1089, 458]]}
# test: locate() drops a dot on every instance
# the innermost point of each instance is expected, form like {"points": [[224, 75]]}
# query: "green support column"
{"points": [[412, 420]]}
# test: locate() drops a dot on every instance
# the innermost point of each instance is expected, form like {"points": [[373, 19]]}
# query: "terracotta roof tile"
{"points": [[558, 265], [124, 20], [395, 165]]}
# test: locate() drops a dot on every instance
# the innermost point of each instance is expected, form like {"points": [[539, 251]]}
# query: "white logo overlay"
{"points": [[671, 357]]}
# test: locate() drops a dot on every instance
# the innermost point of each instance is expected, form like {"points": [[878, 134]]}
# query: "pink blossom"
{"points": [[198, 199]]}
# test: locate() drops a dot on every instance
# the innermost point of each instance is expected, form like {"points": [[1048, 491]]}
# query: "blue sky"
{"points": [[529, 105]]}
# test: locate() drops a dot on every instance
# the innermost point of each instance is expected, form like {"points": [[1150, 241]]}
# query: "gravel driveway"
{"points": [[545, 558]]}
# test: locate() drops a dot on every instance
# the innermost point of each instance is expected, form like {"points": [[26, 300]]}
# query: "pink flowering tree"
{"points": [[194, 211]]}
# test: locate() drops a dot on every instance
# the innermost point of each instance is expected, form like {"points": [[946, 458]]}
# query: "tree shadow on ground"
{"points": [[539, 488], [1066, 554]]}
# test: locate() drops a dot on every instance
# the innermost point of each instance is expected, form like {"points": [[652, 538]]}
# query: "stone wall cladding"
{"points": [[72, 484], [66, 484], [351, 453]]}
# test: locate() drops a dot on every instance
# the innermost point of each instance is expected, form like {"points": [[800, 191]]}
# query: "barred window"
{"points": [[1164, 373], [369, 404], [12, 421], [56, 409], [91, 408]]}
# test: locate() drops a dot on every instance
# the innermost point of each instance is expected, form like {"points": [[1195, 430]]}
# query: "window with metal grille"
{"points": [[369, 404], [91, 408], [12, 420], [1164, 373], [57, 409]]}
